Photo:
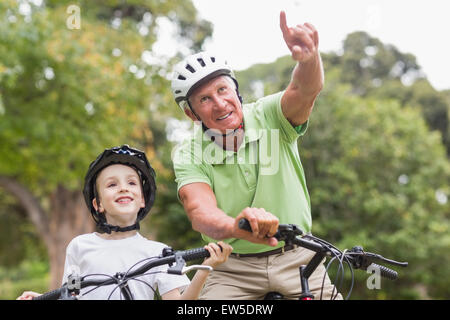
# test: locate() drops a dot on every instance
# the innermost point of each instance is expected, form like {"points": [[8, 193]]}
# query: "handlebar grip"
{"points": [[385, 272], [194, 254], [51, 295], [244, 224]]}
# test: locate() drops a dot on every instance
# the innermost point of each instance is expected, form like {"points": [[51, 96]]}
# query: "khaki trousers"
{"points": [[251, 278]]}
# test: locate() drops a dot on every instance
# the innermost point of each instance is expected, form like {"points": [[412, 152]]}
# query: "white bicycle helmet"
{"points": [[195, 70]]}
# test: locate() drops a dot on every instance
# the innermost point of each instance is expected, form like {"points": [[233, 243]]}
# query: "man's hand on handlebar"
{"points": [[264, 226]]}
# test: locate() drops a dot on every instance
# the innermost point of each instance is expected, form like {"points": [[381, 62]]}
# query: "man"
{"points": [[244, 163]]}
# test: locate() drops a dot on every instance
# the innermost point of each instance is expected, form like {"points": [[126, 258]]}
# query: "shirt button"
{"points": [[247, 173]]}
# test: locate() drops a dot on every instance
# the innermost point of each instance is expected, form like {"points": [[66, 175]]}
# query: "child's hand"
{"points": [[217, 256], [28, 295]]}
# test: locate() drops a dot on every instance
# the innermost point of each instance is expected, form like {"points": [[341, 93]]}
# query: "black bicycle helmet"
{"points": [[130, 157]]}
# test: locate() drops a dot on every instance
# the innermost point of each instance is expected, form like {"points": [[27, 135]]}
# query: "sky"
{"points": [[247, 31]]}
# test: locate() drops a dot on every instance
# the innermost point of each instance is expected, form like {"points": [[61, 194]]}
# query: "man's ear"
{"points": [[96, 207]]}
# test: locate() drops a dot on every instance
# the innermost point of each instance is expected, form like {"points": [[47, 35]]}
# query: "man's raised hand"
{"points": [[302, 40]]}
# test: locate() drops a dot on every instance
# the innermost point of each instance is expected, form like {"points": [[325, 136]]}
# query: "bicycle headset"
{"points": [[196, 70], [128, 156]]}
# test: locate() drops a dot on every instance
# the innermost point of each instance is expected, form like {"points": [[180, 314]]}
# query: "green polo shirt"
{"points": [[265, 172]]}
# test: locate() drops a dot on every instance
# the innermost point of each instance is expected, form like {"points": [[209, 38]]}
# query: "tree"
{"points": [[67, 94], [381, 70], [377, 176], [262, 79], [433, 105]]}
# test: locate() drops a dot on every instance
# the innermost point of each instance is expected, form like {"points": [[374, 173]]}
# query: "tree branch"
{"points": [[32, 206]]}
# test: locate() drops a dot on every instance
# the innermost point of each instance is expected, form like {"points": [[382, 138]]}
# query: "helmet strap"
{"points": [[192, 110], [104, 226], [109, 228]]}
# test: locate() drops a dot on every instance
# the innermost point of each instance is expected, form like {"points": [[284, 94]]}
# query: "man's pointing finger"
{"points": [[283, 26]]}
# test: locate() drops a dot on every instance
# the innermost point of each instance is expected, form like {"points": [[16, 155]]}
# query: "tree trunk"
{"points": [[67, 218]]}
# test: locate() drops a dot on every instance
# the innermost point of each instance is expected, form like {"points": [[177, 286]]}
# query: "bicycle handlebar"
{"points": [[289, 233], [168, 256], [51, 295]]}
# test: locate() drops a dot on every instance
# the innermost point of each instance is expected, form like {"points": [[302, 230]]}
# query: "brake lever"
{"points": [[363, 259], [179, 264], [287, 231], [185, 269], [196, 267], [373, 257]]}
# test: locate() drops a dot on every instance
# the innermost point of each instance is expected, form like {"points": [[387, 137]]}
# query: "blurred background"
{"points": [[77, 77]]}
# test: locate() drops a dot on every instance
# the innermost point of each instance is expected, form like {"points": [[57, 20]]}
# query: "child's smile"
{"points": [[124, 200]]}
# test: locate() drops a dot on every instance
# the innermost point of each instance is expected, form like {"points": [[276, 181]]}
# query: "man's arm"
{"points": [[308, 76], [200, 205]]}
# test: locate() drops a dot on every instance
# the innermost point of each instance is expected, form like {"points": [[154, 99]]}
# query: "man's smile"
{"points": [[225, 116]]}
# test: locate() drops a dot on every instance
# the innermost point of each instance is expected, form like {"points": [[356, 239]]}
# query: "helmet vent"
{"points": [[202, 63], [213, 59], [189, 67], [180, 77]]}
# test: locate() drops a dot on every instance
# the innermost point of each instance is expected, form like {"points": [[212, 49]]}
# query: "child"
{"points": [[120, 190]]}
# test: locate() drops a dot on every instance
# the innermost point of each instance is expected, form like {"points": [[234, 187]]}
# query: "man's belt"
{"points": [[265, 253]]}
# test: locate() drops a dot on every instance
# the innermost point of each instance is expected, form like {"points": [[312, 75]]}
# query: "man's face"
{"points": [[217, 105]]}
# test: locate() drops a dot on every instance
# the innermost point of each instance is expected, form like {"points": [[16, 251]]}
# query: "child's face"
{"points": [[120, 194]]}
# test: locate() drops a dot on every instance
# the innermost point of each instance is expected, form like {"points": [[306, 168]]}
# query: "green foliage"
{"points": [[262, 79], [18, 239], [374, 69], [366, 61], [23, 257], [59, 90], [67, 94], [374, 180], [29, 275], [192, 31]]}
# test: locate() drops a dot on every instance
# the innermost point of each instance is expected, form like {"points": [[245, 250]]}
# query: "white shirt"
{"points": [[91, 254]]}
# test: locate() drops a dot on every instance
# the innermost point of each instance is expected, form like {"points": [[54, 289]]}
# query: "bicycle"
{"points": [[175, 259], [356, 258]]}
